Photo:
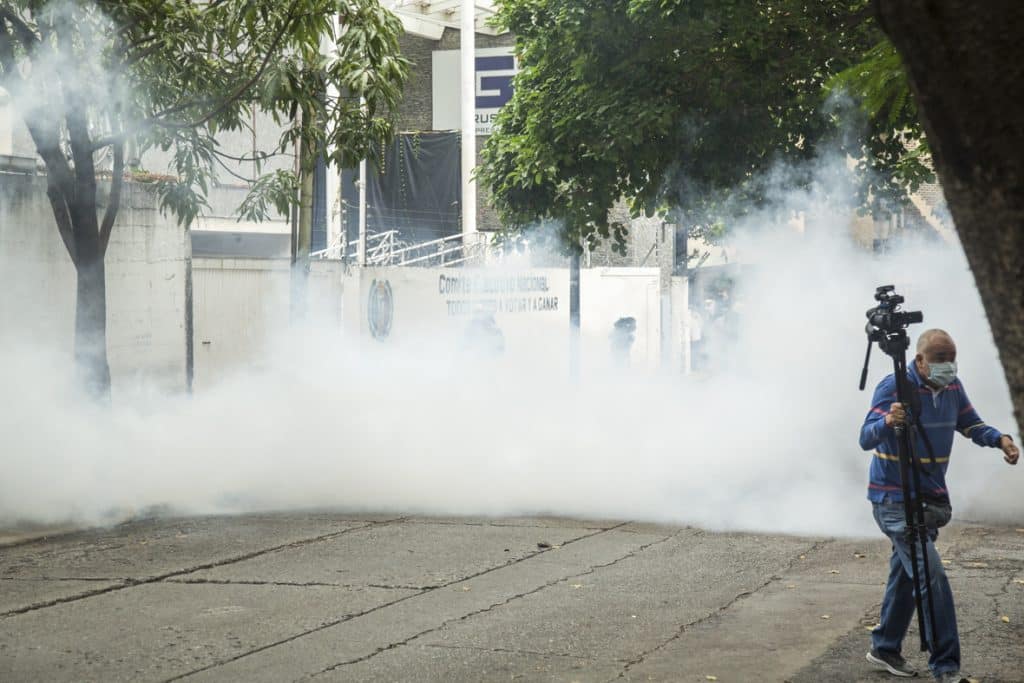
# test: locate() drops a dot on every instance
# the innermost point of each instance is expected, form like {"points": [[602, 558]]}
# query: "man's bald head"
{"points": [[934, 346], [933, 337]]}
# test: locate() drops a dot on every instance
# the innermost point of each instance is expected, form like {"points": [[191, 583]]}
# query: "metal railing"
{"points": [[379, 249], [385, 249], [446, 251]]}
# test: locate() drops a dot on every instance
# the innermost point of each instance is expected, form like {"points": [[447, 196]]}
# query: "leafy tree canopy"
{"points": [[893, 155], [89, 76], [670, 104]]}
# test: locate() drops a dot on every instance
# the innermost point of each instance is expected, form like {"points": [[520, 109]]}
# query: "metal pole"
{"points": [[467, 54], [574, 315], [335, 206], [361, 247]]}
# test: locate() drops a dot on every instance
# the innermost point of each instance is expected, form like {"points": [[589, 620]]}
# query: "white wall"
{"points": [[530, 307], [146, 282], [436, 305], [241, 306], [236, 303], [6, 124]]}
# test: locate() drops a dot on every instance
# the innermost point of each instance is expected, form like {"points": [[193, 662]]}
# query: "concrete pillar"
{"points": [[574, 316], [679, 292]]}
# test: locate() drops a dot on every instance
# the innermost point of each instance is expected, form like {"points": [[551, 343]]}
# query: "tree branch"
{"points": [[62, 216], [7, 58], [108, 141], [46, 136], [114, 199], [139, 42], [181, 106], [261, 156], [59, 180], [24, 32], [142, 54], [220, 162], [243, 87], [75, 116]]}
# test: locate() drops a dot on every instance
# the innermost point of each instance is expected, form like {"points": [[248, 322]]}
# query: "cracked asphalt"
{"points": [[332, 597]]}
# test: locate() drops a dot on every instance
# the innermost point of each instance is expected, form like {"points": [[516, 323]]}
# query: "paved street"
{"points": [[332, 597]]}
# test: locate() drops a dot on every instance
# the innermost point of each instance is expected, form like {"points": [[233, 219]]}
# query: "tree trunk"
{"points": [[303, 238], [91, 328], [965, 60], [91, 293]]}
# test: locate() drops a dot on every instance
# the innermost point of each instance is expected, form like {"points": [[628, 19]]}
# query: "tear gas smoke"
{"points": [[769, 442]]}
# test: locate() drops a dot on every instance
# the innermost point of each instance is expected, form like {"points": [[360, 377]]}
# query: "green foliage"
{"points": [[174, 74], [276, 190], [893, 157], [672, 104]]}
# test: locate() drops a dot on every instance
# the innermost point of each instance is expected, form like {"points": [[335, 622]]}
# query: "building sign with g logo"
{"points": [[495, 71], [381, 309]]}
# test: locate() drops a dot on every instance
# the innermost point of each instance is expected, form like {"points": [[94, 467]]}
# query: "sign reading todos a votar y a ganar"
{"points": [[487, 293]]}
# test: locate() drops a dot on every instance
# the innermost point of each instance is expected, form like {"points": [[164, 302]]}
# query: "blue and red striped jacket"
{"points": [[942, 413]]}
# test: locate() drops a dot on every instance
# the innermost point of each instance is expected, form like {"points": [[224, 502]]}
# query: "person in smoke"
{"points": [[621, 340], [945, 409], [483, 338], [703, 325]]}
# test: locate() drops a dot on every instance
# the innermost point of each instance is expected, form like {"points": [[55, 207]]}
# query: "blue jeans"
{"points": [[898, 603]]}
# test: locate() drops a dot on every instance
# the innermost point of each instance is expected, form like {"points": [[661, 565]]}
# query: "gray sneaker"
{"points": [[951, 677], [894, 664]]}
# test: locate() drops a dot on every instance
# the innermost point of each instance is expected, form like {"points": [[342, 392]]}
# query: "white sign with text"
{"points": [[495, 67]]}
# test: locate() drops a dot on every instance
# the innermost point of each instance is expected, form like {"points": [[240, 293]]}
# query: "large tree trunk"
{"points": [[90, 248], [91, 328], [965, 61], [91, 294]]}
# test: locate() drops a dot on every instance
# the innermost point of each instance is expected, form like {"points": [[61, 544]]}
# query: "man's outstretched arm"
{"points": [[970, 424]]}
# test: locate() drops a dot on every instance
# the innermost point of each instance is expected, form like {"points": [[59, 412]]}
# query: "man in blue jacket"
{"points": [[945, 409]]}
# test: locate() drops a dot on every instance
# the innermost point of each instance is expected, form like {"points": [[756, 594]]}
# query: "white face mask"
{"points": [[941, 374]]}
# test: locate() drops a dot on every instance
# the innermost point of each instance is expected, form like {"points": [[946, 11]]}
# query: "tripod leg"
{"points": [[910, 542], [928, 557]]}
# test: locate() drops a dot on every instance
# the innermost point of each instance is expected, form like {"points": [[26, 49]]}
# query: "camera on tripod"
{"points": [[886, 318], [887, 325]]}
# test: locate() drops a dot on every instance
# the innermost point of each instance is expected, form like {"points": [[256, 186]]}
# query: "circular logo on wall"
{"points": [[381, 309]]}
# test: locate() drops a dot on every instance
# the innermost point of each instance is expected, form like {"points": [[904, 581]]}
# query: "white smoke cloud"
{"points": [[767, 443]]}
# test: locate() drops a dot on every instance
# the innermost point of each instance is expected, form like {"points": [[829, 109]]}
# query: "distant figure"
{"points": [[483, 338], [710, 308], [621, 339], [707, 335]]}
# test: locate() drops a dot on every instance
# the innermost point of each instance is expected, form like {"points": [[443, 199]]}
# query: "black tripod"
{"points": [[888, 327]]}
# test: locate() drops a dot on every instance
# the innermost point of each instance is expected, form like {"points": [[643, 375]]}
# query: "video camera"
{"points": [[887, 325], [886, 318]]}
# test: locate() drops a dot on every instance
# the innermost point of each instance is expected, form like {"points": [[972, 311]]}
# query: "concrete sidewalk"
{"points": [[329, 597], [33, 532]]}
